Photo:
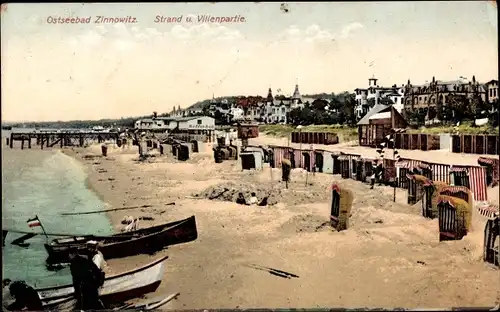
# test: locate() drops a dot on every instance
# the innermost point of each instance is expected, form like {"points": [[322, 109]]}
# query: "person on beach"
{"points": [[380, 173], [88, 277], [6, 296], [372, 180], [26, 297], [253, 199], [374, 174], [97, 257], [241, 199]]}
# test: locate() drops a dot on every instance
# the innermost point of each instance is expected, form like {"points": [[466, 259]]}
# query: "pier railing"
{"points": [[48, 138]]}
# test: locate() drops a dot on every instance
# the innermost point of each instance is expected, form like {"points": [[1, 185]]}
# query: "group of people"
{"points": [[252, 201], [87, 272]]}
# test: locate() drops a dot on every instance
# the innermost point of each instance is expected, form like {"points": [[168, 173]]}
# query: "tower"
{"points": [[372, 82], [296, 93], [269, 95]]}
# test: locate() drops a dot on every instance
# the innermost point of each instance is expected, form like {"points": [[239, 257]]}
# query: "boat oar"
{"points": [[155, 305], [108, 210], [67, 234], [272, 271], [20, 241]]}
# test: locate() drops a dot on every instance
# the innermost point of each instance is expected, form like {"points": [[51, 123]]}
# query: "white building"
{"points": [[177, 124], [274, 109], [375, 92], [237, 113]]}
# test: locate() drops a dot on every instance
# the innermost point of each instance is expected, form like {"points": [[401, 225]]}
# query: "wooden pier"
{"points": [[61, 138]]}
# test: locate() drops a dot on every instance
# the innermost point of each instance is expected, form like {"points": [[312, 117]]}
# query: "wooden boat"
{"points": [[127, 244], [116, 289]]}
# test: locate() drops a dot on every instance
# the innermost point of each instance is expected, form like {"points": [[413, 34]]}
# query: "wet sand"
{"points": [[389, 257]]}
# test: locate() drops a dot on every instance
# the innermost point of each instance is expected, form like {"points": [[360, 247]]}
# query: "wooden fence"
{"points": [[464, 143], [475, 144], [326, 138], [424, 142]]}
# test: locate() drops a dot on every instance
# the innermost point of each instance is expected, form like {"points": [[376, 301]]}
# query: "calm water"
{"points": [[44, 183]]}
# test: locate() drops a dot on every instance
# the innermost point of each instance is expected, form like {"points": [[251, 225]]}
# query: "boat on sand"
{"points": [[143, 241], [116, 289]]}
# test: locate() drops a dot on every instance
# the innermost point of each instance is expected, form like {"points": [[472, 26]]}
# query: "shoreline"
{"points": [[88, 183]]}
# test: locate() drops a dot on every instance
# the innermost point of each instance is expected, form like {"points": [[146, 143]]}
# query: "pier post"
{"points": [[11, 137], [61, 138], [48, 140], [37, 139], [41, 141], [22, 142], [29, 141], [7, 141], [81, 140]]}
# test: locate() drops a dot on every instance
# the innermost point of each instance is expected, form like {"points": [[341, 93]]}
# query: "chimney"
{"points": [[155, 114]]}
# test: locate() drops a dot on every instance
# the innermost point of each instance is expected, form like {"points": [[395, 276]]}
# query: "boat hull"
{"points": [[118, 288], [145, 241]]}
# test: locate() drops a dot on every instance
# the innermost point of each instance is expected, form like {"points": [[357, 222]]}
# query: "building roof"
{"points": [[378, 108], [175, 118], [383, 115], [146, 120], [451, 84]]}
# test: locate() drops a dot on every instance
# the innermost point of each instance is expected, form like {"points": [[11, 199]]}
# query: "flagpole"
{"points": [[41, 225], [394, 160]]}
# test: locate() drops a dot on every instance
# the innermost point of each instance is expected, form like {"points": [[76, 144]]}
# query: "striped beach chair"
{"points": [[491, 233]]}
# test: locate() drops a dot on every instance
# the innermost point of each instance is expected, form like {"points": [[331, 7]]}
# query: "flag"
{"points": [[34, 222]]}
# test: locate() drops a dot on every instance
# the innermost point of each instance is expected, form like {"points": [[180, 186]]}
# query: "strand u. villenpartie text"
{"points": [[201, 18]]}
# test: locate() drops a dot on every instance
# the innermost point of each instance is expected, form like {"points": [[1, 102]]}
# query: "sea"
{"points": [[43, 183]]}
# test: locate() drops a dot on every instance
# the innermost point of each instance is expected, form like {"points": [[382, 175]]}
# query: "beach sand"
{"points": [[389, 257]]}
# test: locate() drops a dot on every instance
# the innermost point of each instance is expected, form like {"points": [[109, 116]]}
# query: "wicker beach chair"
{"points": [[459, 192], [492, 167], [286, 168], [454, 220], [341, 205], [415, 187], [491, 233], [429, 200]]}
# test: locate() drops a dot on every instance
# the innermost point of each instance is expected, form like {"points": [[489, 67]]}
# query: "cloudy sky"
{"points": [[91, 71]]}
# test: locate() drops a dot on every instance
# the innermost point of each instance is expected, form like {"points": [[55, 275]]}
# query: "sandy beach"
{"points": [[389, 257]]}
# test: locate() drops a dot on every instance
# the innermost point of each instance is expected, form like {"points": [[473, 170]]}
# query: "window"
{"points": [[199, 121], [420, 99], [282, 110], [494, 92], [491, 92]]}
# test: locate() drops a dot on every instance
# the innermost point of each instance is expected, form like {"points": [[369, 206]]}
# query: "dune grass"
{"points": [[465, 128], [344, 133]]}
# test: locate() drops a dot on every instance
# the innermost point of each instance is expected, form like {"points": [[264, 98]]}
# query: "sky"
{"points": [[52, 71]]}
